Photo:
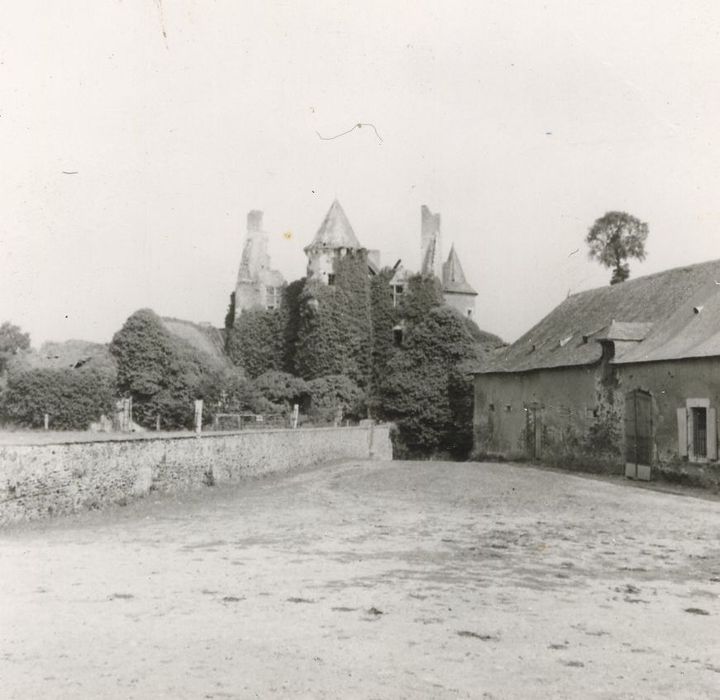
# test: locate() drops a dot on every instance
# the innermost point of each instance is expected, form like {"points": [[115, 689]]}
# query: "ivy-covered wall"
{"points": [[334, 334]]}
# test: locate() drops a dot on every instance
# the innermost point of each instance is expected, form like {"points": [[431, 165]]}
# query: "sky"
{"points": [[135, 135]]}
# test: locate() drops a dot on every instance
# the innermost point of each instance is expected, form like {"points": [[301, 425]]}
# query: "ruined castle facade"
{"points": [[259, 286]]}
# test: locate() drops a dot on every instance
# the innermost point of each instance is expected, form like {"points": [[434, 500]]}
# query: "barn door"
{"points": [[638, 434], [533, 430]]}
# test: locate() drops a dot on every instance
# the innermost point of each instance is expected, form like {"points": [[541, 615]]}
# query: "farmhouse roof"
{"points": [[454, 281], [669, 315], [335, 231]]}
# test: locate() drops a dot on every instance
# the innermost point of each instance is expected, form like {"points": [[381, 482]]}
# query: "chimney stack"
{"points": [[254, 221]]}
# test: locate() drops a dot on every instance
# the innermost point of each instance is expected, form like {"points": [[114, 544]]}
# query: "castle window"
{"points": [[331, 279], [273, 297], [491, 407], [398, 336]]}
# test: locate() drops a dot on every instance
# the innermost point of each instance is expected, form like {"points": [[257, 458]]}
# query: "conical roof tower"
{"points": [[335, 231]]}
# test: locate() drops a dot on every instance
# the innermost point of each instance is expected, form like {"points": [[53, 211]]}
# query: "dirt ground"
{"points": [[371, 580]]}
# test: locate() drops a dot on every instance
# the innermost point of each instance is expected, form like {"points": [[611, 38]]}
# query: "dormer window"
{"points": [[331, 279]]}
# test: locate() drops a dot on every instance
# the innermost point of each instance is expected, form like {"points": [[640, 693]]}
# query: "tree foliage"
{"points": [[279, 391], [335, 394], [384, 317], [12, 340], [334, 334], [230, 313], [73, 398], [256, 342], [423, 293], [613, 239], [427, 393], [164, 374]]}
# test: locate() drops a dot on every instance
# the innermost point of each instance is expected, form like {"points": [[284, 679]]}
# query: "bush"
{"points": [[279, 391], [73, 398], [335, 393]]}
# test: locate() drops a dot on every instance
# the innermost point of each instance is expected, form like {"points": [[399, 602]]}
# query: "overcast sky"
{"points": [[521, 122]]}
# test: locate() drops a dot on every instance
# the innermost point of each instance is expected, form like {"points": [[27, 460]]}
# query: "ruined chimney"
{"points": [[430, 222], [254, 221], [431, 243]]}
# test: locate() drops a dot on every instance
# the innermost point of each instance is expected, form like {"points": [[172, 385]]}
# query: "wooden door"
{"points": [[638, 434]]}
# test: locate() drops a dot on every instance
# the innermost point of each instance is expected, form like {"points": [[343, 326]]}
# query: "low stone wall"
{"points": [[38, 481]]}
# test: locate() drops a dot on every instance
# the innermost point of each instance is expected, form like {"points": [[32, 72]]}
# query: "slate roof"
{"points": [[454, 281], [651, 316], [203, 338], [335, 231]]}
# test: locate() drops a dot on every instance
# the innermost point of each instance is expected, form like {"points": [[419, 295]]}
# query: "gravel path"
{"points": [[370, 580]]}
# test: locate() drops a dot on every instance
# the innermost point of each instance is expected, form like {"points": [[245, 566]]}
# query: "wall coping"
{"points": [[152, 435]]}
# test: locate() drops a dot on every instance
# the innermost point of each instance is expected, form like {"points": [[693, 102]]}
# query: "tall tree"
{"points": [[614, 238], [12, 340]]}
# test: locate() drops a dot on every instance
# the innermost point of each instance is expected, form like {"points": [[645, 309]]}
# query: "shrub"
{"points": [[73, 398], [279, 391], [334, 393]]}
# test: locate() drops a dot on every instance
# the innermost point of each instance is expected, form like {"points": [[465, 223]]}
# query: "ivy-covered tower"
{"points": [[334, 240]]}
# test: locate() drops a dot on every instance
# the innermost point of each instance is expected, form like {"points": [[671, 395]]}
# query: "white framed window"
{"points": [[697, 430]]}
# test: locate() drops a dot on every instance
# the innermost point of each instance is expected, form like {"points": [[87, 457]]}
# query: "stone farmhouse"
{"points": [[259, 286], [636, 364]]}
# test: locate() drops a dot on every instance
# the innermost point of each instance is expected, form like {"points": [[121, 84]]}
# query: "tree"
{"points": [[163, 373], [12, 340], [614, 238], [427, 392]]}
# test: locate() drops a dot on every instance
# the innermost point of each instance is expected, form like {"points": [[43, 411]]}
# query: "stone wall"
{"points": [[566, 398], [38, 481]]}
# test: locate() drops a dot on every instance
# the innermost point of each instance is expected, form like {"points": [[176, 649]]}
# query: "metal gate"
{"points": [[638, 434]]}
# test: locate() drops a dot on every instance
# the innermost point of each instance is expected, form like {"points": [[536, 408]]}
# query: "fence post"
{"points": [[198, 416], [47, 421], [295, 413]]}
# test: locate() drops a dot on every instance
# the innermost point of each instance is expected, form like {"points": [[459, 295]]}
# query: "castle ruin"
{"points": [[259, 286]]}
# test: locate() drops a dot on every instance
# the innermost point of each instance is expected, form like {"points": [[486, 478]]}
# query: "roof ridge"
{"points": [[650, 275]]}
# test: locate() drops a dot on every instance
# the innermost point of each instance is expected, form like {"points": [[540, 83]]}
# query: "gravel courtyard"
{"points": [[370, 580]]}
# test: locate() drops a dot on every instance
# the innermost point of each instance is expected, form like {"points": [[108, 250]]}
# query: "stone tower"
{"points": [[431, 242], [334, 240], [258, 285], [456, 290]]}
